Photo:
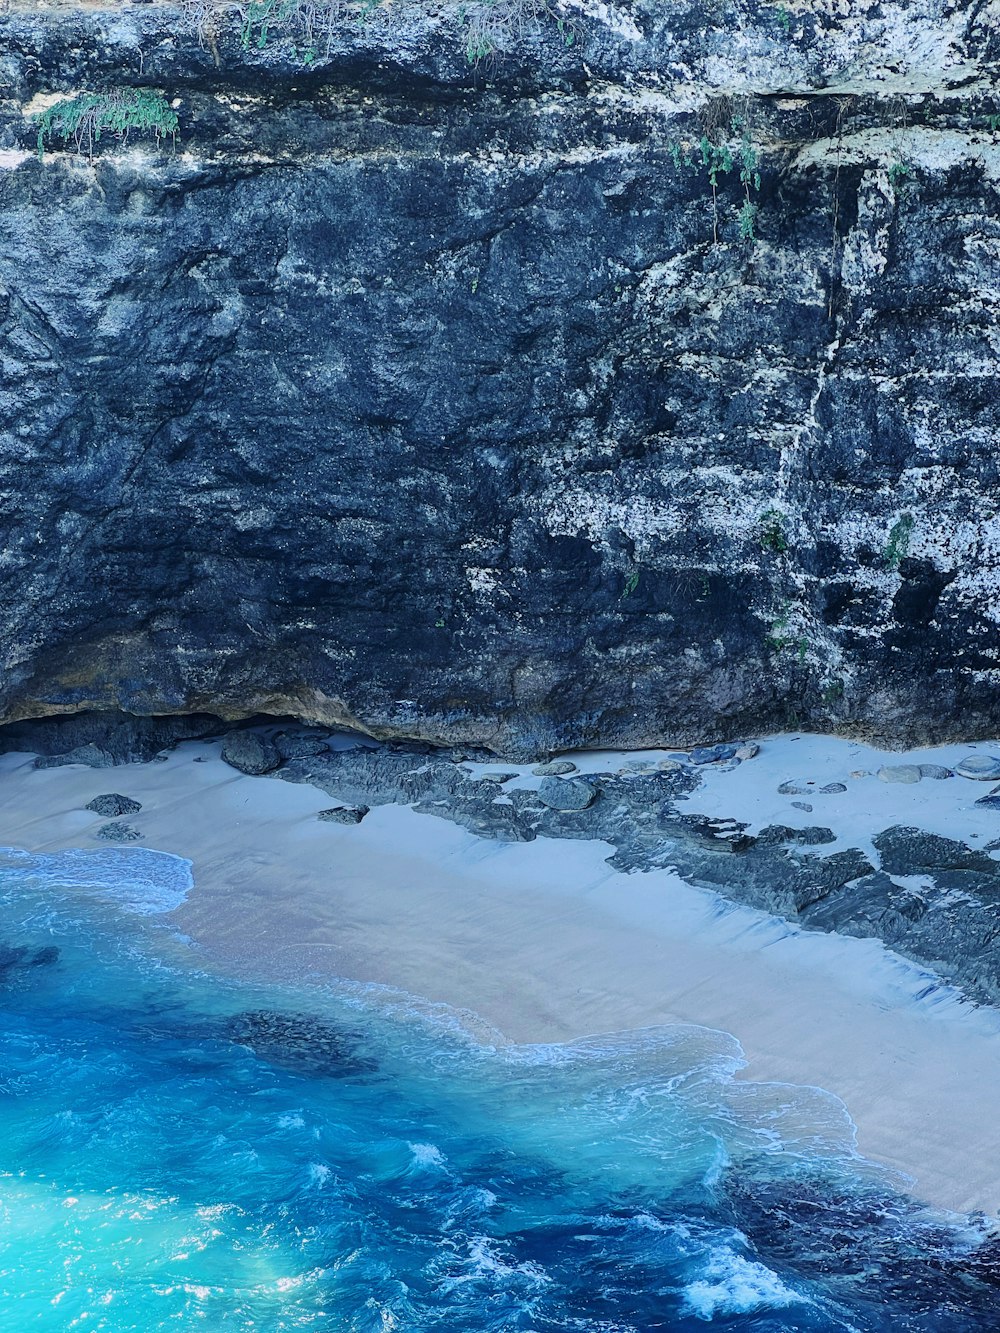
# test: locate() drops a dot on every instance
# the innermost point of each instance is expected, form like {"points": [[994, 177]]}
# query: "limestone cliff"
{"points": [[633, 381]]}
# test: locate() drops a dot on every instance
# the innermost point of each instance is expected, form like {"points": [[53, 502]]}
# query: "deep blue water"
{"points": [[179, 1153]]}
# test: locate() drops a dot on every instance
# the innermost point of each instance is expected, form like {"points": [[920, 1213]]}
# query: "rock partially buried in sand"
{"points": [[803, 805], [712, 754], [806, 787], [250, 753], [900, 773], [555, 769], [670, 765], [566, 793], [112, 804], [810, 836], [937, 771], [498, 775], [119, 832], [91, 755], [343, 814], [979, 767], [749, 751]]}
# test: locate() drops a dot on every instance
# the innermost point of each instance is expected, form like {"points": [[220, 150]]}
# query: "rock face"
{"points": [[458, 403]]}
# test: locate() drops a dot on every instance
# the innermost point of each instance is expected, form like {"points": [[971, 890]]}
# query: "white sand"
{"points": [[546, 943]]}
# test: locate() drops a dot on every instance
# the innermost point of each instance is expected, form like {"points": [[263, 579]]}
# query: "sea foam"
{"points": [[141, 880]]}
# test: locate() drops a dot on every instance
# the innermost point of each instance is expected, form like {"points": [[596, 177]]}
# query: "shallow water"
{"points": [[180, 1153]]}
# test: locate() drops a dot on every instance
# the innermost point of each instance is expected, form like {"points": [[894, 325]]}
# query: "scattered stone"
{"points": [[861, 773], [937, 771], [797, 787], [669, 765], [555, 769], [638, 766], [712, 754], [899, 773], [343, 814], [749, 751], [803, 805], [498, 775], [990, 803], [112, 804], [566, 793], [979, 767], [832, 788], [119, 831], [729, 765], [250, 753]]}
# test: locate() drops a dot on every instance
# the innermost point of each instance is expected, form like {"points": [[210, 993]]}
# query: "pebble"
{"points": [[900, 773], [566, 793], [749, 751], [803, 805], [712, 754], [555, 769], [112, 803], [343, 814], [979, 767], [935, 771]]}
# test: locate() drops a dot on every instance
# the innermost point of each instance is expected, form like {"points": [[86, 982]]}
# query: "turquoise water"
{"points": [[179, 1153]]}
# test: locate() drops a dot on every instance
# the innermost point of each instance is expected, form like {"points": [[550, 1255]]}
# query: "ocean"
{"points": [[182, 1152]]}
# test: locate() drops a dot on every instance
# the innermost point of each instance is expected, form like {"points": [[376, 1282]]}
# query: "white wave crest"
{"points": [[732, 1284]]}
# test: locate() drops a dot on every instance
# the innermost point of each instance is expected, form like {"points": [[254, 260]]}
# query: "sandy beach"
{"points": [[544, 942]]}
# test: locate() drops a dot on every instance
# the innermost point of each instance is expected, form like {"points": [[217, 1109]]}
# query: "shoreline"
{"points": [[546, 943]]}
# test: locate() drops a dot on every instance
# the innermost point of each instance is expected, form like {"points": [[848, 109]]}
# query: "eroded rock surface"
{"points": [[453, 402]]}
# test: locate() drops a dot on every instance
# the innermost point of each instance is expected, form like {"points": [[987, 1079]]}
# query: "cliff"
{"points": [[609, 375]]}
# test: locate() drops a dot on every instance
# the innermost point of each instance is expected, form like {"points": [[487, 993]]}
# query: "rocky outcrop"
{"points": [[501, 402], [934, 900]]}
